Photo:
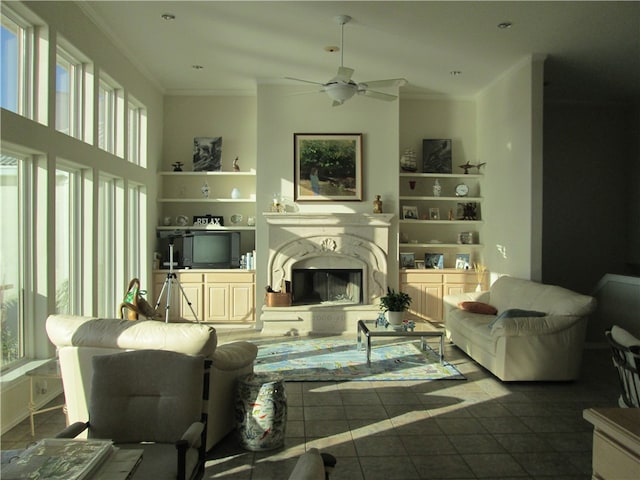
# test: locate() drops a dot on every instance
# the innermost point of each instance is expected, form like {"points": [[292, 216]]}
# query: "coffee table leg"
{"points": [[441, 348], [359, 338], [368, 350]]}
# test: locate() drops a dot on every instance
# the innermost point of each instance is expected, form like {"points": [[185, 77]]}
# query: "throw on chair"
{"points": [[626, 358]]}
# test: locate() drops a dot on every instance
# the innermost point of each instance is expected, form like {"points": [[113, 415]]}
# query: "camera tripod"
{"points": [[166, 286]]}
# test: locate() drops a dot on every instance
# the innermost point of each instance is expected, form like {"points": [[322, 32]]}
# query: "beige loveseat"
{"points": [[78, 339], [537, 334]]}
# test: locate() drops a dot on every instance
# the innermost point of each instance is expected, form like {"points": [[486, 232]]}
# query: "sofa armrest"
{"points": [[234, 356], [193, 434], [451, 302], [523, 326]]}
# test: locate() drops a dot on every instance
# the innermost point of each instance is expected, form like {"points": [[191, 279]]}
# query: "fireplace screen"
{"points": [[314, 286]]}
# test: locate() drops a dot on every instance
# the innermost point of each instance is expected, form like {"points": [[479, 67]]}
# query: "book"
{"points": [[59, 459]]}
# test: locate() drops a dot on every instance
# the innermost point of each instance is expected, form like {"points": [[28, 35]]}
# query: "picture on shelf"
{"points": [[436, 156], [409, 212], [463, 261], [407, 260], [207, 154], [465, 238], [434, 214], [434, 260]]}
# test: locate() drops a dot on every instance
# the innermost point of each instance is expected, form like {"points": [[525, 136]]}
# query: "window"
{"points": [[74, 84], [137, 232], [137, 133], [110, 117], [68, 225], [110, 274], [14, 188], [23, 81]]}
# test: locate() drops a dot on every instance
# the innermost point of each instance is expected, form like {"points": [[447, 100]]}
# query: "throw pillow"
{"points": [[517, 313], [478, 307]]}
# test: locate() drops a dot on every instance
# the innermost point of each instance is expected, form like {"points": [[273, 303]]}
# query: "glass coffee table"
{"points": [[370, 328]]}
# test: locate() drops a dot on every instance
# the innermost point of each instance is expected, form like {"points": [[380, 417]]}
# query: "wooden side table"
{"points": [[50, 369], [616, 442]]}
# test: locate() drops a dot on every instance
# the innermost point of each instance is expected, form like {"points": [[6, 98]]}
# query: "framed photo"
{"points": [[409, 212], [463, 261], [207, 154], [408, 260], [436, 156], [434, 214], [434, 260], [465, 238], [327, 167]]}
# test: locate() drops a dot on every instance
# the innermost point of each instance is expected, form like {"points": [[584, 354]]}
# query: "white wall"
{"points": [[282, 111], [509, 118]]}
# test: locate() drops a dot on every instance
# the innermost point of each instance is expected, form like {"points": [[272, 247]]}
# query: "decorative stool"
{"points": [[261, 411]]}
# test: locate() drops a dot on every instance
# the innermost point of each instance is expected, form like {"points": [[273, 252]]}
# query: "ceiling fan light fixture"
{"points": [[340, 92]]}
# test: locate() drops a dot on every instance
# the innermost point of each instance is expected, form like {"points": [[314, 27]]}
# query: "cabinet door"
{"points": [[432, 302], [217, 302], [417, 299], [193, 295], [242, 302]]}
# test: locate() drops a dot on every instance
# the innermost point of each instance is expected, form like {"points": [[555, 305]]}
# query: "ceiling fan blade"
{"points": [[377, 95], [392, 82], [344, 74], [305, 81]]}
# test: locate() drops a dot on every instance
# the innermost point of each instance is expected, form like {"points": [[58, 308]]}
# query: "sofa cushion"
{"points": [[478, 307], [516, 313]]}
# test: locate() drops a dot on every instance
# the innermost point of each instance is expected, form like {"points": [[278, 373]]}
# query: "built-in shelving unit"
{"points": [[437, 223]]}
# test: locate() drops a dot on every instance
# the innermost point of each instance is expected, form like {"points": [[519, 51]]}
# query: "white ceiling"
{"points": [[592, 48]]}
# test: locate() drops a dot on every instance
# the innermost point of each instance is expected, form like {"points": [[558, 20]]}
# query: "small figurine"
{"points": [[177, 167], [377, 205], [236, 167], [205, 190], [437, 188]]}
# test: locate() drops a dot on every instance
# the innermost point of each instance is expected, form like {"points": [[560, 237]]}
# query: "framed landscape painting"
{"points": [[207, 154], [327, 167], [436, 156]]}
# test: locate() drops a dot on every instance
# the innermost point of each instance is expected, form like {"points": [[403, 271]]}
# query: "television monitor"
{"points": [[211, 250]]}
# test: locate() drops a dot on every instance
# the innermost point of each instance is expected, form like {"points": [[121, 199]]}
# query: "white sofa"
{"points": [[78, 339], [541, 338]]}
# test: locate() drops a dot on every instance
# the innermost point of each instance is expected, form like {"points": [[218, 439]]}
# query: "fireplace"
{"points": [[312, 286], [336, 264]]}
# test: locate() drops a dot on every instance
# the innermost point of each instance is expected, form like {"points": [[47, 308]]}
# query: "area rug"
{"points": [[331, 359]]}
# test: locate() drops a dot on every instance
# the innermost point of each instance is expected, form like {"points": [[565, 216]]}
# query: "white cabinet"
{"points": [[432, 223], [215, 295]]}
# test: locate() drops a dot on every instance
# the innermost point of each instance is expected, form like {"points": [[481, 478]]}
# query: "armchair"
{"points": [[150, 400]]}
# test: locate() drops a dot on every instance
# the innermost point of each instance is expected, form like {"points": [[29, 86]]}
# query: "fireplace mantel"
{"points": [[341, 219]]}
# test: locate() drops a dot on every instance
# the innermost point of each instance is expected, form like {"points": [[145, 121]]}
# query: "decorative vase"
{"points": [[235, 193], [395, 318], [437, 188]]}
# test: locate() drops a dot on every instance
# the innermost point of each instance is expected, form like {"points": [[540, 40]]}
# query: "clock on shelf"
{"points": [[462, 190]]}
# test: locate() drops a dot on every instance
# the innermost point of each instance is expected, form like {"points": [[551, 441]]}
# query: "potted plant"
{"points": [[395, 304]]}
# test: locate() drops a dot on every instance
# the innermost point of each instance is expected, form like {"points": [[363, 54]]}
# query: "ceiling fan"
{"points": [[341, 87]]}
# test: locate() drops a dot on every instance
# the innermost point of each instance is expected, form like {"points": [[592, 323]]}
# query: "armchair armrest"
{"points": [[522, 326], [193, 434], [73, 430]]}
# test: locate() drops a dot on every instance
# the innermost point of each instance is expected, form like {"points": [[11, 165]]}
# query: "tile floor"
{"points": [[479, 428]]}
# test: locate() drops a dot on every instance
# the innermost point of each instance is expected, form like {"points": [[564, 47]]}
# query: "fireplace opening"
{"points": [[310, 286]]}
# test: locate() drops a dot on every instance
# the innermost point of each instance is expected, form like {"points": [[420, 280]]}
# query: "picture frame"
{"points": [[463, 261], [409, 212], [434, 213], [437, 155], [327, 167], [407, 260], [207, 154], [434, 261], [465, 238]]}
